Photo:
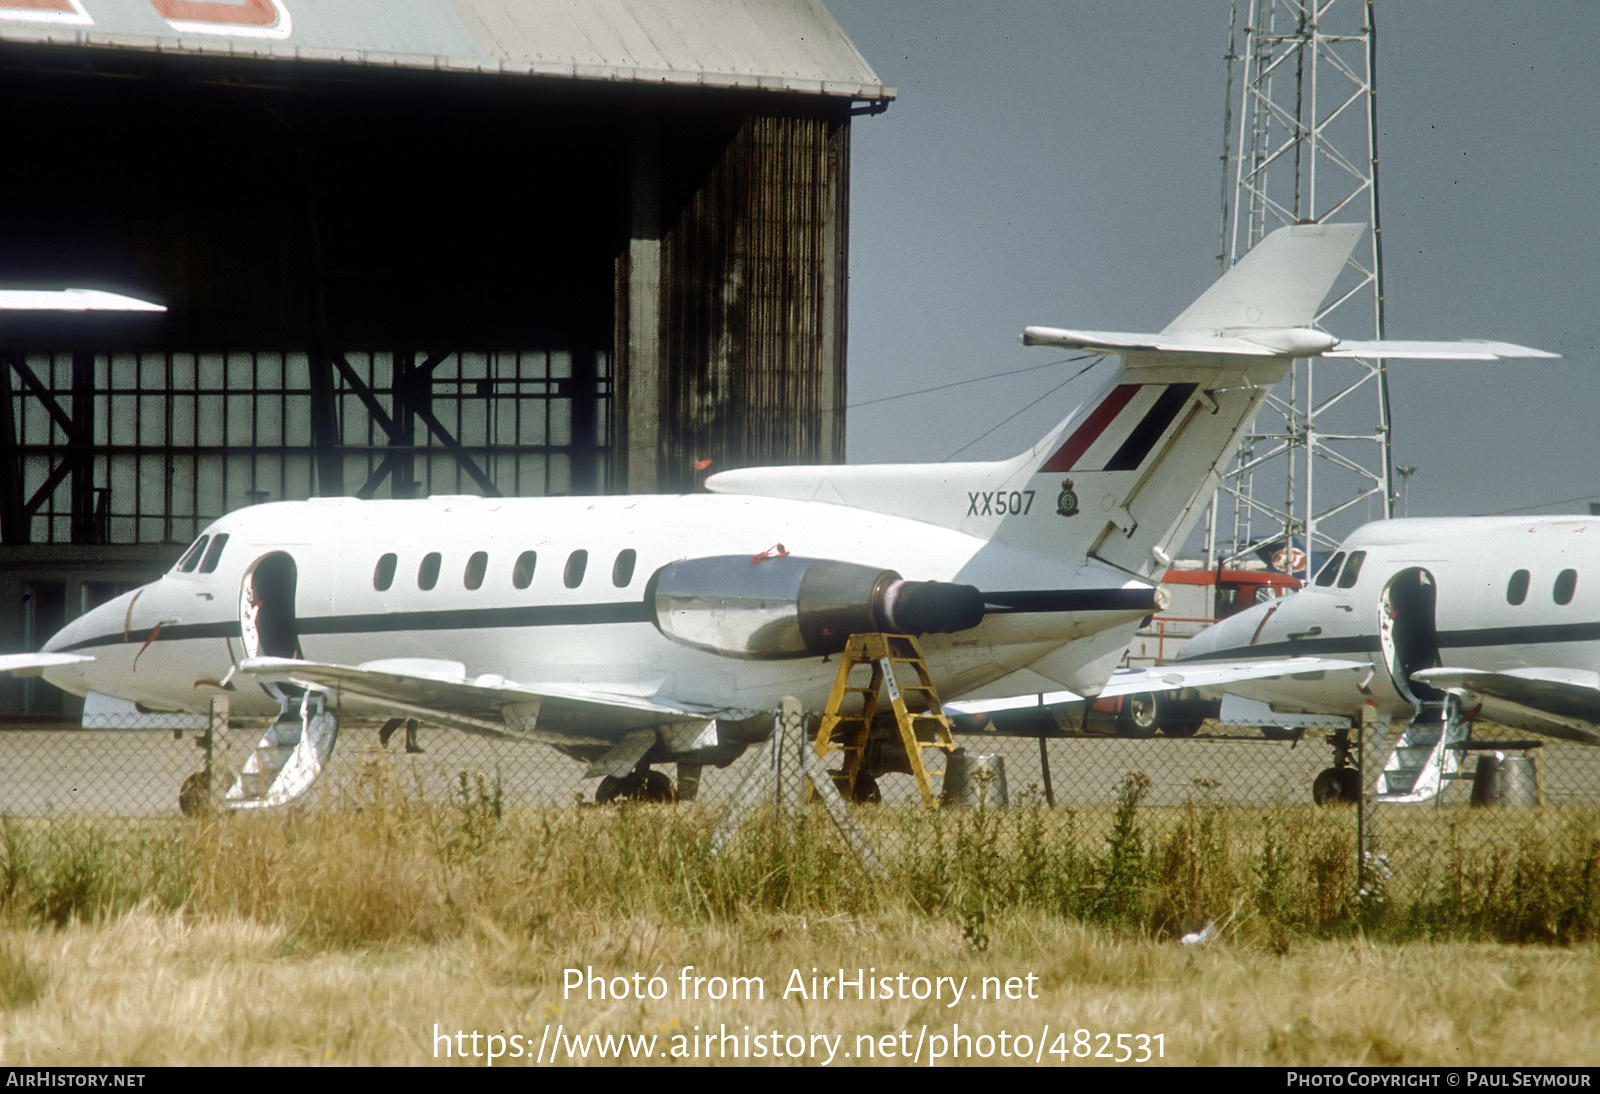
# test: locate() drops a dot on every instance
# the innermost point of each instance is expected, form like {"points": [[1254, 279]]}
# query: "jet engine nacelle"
{"points": [[787, 606]]}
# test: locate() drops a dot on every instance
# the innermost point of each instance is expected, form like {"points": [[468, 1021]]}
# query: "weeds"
{"points": [[393, 869]]}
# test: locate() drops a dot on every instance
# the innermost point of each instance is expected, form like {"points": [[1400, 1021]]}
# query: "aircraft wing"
{"points": [[32, 664], [1554, 702], [440, 692], [1208, 677], [1213, 677]]}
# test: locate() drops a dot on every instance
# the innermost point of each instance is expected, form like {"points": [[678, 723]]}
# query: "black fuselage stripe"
{"points": [[459, 619], [1532, 635], [541, 615]]}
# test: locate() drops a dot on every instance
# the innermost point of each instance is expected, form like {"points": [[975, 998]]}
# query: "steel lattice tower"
{"points": [[1303, 148]]}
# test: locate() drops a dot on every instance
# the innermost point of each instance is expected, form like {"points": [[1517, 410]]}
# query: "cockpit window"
{"points": [[191, 557], [215, 554], [1352, 569], [1330, 570]]}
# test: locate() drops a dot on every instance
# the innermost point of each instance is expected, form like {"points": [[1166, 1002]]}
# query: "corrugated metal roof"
{"points": [[779, 45]]}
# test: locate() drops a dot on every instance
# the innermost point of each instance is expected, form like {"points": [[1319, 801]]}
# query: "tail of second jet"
{"points": [[1128, 473]]}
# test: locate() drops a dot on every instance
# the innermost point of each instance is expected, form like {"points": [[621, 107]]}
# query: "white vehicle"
{"points": [[1451, 620], [631, 631]]}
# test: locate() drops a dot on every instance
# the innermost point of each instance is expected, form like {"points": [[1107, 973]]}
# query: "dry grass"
{"points": [[147, 990], [348, 935]]}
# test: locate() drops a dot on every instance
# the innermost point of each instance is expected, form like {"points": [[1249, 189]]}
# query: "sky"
{"points": [[1058, 163]]}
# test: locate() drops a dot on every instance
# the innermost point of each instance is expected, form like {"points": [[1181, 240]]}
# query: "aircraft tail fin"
{"points": [[1120, 474], [1125, 477]]}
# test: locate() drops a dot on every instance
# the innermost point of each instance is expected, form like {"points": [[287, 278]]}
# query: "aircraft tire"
{"points": [[194, 796], [1140, 716], [866, 791], [656, 787], [1336, 786]]}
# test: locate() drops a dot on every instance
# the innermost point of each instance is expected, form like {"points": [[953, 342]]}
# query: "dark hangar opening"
{"points": [[390, 275]]}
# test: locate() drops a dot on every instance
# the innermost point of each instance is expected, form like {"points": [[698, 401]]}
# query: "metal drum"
{"points": [[974, 781], [1505, 780]]}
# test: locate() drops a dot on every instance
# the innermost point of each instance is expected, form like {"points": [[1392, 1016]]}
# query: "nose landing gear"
{"points": [[1341, 783]]}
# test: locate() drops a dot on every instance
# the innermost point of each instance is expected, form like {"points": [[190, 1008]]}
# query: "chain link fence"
{"points": [[141, 768]]}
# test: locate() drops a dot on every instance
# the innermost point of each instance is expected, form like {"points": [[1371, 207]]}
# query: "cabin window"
{"points": [[622, 569], [577, 562], [1566, 585], [383, 573], [214, 555], [522, 572], [191, 557], [1330, 569], [477, 566], [1517, 587], [1352, 569], [428, 572]]}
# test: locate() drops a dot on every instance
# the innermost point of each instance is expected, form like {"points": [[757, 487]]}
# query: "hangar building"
{"points": [[406, 247]]}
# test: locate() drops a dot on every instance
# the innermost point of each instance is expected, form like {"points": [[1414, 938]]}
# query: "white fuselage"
{"points": [[1480, 593], [171, 644]]}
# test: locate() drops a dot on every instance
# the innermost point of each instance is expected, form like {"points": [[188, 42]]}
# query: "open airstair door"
{"points": [[1408, 632], [267, 622], [1408, 635], [297, 745]]}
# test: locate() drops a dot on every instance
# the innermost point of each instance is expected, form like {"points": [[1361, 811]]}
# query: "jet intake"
{"points": [[798, 607]]}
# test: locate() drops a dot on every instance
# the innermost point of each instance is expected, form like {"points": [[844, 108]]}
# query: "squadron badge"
{"points": [[1067, 501]]}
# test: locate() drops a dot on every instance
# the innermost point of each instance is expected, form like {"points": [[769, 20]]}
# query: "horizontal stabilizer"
{"points": [[1274, 342], [1465, 350]]}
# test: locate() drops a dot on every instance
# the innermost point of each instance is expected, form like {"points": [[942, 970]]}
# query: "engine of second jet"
{"points": [[798, 607]]}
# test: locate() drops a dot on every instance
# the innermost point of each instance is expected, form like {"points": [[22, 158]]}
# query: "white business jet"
{"points": [[631, 631], [1450, 620]]}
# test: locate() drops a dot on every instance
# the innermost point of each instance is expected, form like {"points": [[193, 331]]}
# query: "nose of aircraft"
{"points": [[99, 622], [1231, 634]]}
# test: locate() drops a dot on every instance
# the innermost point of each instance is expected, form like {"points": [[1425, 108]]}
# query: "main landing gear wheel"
{"points": [[1181, 727], [645, 786], [1140, 716], [194, 796], [866, 792], [1336, 785]]}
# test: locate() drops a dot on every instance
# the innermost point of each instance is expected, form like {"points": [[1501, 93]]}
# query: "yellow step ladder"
{"points": [[916, 706]]}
